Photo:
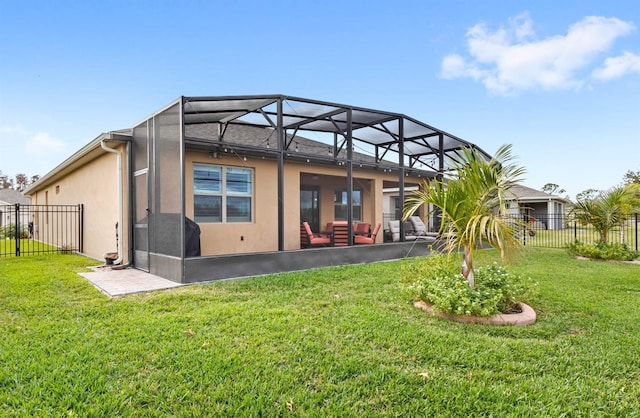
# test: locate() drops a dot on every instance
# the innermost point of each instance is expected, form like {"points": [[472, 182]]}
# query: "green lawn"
{"points": [[8, 247], [331, 342]]}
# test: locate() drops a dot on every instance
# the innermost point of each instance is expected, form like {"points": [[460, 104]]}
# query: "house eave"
{"points": [[87, 153], [541, 199]]}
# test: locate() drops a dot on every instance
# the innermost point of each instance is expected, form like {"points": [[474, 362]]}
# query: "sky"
{"points": [[560, 81]]}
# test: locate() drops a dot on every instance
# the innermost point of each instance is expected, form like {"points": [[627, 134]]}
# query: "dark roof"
{"points": [[260, 137], [522, 193], [10, 196]]}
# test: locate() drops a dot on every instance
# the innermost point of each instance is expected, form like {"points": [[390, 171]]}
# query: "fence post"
{"points": [[81, 228], [636, 231], [17, 228]]}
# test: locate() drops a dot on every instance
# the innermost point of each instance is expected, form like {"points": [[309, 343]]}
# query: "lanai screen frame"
{"points": [[387, 132], [414, 143]]}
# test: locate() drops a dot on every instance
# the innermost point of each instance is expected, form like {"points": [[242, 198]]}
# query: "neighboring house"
{"points": [[543, 210], [8, 198], [245, 169]]}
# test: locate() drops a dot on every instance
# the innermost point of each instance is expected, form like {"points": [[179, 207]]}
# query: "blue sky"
{"points": [[558, 80]]}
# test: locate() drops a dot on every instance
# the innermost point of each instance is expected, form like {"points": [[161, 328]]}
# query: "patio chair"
{"points": [[340, 234], [363, 228], [420, 230], [368, 239], [394, 227], [315, 240]]}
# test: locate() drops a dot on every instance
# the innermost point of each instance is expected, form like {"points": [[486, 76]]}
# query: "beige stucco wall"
{"points": [[262, 233], [94, 185], [239, 237]]}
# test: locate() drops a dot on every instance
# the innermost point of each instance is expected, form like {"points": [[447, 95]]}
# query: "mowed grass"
{"points": [[585, 234], [8, 247], [331, 342]]}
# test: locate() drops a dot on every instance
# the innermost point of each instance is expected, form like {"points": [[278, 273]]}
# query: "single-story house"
{"points": [[216, 187], [543, 210], [8, 199]]}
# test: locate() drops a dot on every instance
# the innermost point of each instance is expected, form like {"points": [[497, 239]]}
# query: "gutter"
{"points": [[103, 145]]}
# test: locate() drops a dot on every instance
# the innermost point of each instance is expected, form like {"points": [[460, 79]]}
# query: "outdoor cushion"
{"points": [[368, 239], [394, 227], [418, 226], [316, 239]]}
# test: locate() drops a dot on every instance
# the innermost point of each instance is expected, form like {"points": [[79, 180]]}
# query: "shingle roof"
{"points": [[520, 192], [11, 196], [262, 137]]}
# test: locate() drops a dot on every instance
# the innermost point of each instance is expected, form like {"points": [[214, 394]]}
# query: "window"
{"points": [[222, 194], [341, 205]]}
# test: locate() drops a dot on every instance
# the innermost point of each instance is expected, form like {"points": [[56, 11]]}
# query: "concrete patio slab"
{"points": [[118, 282]]}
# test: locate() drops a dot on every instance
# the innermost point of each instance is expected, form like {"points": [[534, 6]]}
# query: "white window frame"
{"points": [[342, 192], [224, 192]]}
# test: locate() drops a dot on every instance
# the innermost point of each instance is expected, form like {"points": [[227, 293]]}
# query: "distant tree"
{"points": [[632, 177], [587, 194], [22, 181], [553, 189], [4, 181], [34, 178]]}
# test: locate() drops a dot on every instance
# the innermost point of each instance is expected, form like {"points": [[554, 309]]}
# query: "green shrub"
{"points": [[437, 280], [603, 251], [9, 231]]}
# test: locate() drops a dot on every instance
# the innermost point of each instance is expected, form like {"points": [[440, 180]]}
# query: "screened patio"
{"points": [[236, 165]]}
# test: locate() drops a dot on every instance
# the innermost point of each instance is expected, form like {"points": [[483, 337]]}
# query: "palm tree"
{"points": [[607, 210], [473, 205]]}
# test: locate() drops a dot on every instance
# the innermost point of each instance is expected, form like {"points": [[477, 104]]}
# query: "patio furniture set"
{"points": [[414, 229], [336, 234]]}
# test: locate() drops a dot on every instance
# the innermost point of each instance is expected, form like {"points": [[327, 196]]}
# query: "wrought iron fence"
{"points": [[38, 229], [558, 230]]}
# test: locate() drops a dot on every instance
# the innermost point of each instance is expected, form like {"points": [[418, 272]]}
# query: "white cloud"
{"points": [[511, 59], [42, 143], [615, 67]]}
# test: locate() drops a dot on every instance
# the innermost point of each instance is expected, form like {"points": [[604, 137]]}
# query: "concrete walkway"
{"points": [[126, 281]]}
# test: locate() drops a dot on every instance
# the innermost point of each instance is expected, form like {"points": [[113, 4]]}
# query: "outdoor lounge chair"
{"points": [[369, 238], [315, 240], [394, 227], [420, 230], [410, 234]]}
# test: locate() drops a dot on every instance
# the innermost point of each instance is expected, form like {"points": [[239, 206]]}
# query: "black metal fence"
{"points": [[558, 230], [38, 229]]}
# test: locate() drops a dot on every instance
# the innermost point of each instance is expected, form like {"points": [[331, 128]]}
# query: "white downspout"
{"points": [[120, 200]]}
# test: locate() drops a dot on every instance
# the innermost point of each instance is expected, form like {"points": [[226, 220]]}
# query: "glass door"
{"points": [[310, 206]]}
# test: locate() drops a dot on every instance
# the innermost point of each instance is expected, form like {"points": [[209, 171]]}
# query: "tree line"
{"points": [[20, 182], [630, 178]]}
